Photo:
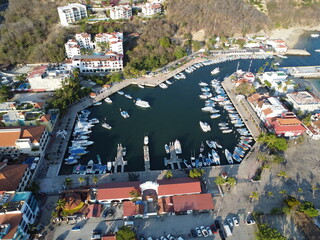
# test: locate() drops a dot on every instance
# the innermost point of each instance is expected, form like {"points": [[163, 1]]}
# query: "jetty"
{"points": [[173, 158], [119, 160], [146, 158]]}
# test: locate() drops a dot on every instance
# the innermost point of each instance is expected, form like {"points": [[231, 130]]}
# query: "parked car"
{"points": [[199, 232], [170, 237], [76, 229], [194, 233], [162, 238], [204, 231], [250, 222], [229, 221], [214, 228], [217, 223], [209, 231], [96, 234], [235, 221]]}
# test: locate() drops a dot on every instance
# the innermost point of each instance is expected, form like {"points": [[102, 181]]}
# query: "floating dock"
{"points": [[146, 157], [119, 160], [173, 158]]}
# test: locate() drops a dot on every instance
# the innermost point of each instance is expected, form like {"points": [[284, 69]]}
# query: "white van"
{"points": [[227, 230]]}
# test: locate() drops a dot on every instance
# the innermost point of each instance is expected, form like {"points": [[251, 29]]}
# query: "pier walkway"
{"points": [[146, 158], [119, 161], [255, 126], [173, 158]]}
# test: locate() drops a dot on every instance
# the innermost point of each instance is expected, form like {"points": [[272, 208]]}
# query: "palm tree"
{"points": [[254, 196], [283, 174], [220, 180], [314, 188], [266, 166], [262, 156], [300, 190], [270, 194], [231, 181], [283, 192], [60, 204], [81, 180], [95, 180], [68, 182], [169, 174]]}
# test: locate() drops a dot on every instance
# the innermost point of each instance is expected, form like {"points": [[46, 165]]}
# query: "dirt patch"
{"points": [[306, 225], [199, 35]]}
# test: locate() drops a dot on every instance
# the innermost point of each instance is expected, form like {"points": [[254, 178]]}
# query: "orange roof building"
{"points": [[194, 202], [178, 186], [14, 177], [9, 224]]}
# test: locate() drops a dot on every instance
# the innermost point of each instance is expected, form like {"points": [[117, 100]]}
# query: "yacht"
{"points": [[97, 103], [215, 71], [205, 126], [141, 103], [167, 148], [210, 143], [314, 35], [124, 114], [90, 167], [228, 156], [120, 92], [108, 100], [215, 115], [177, 147], [128, 96], [215, 156], [146, 140], [317, 50], [106, 125], [140, 86], [163, 85]]}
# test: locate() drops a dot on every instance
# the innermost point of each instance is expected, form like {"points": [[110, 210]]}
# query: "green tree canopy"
{"points": [[125, 233], [164, 42], [292, 202], [273, 142], [196, 173], [169, 174], [245, 89], [219, 180], [266, 233], [180, 52], [309, 209]]}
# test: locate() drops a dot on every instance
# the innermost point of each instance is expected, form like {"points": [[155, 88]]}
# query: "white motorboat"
{"points": [[94, 120], [82, 142], [97, 103], [168, 82], [228, 156], [124, 114], [314, 35], [142, 103], [202, 96], [205, 89], [90, 167], [215, 115], [124, 151], [223, 124], [120, 92], [128, 96], [177, 147], [203, 84], [215, 71], [146, 140], [108, 100], [207, 109], [167, 148], [215, 156], [83, 137], [227, 131], [205, 126], [317, 50], [140, 86], [163, 85], [217, 144], [106, 125], [201, 147], [210, 143], [71, 161], [282, 56], [193, 161], [109, 165]]}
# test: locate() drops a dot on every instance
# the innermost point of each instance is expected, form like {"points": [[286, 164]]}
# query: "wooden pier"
{"points": [[173, 158], [119, 160], [146, 157]]}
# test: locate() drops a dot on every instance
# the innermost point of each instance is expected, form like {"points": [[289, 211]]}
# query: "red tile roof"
{"points": [[165, 205], [94, 210], [177, 186], [119, 190], [14, 220], [10, 176], [267, 111], [132, 209], [192, 202], [38, 71], [45, 118], [109, 237], [279, 126]]}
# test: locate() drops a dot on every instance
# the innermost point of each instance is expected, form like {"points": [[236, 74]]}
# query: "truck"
{"points": [[227, 230]]}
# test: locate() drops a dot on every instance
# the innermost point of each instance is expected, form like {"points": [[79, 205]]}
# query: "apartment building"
{"points": [[304, 101], [150, 9], [121, 12], [71, 13], [72, 48]]}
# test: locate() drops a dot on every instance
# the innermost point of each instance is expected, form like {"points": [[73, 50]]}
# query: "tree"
{"points": [[125, 233], [196, 173], [292, 202], [116, 77], [22, 77], [68, 182], [266, 233], [283, 174], [254, 196], [270, 194], [135, 195], [300, 190], [266, 166], [5, 93], [273, 142], [34, 187], [169, 174], [278, 159], [180, 52], [314, 188], [95, 180], [81, 180], [307, 120], [196, 45], [308, 208], [283, 192], [262, 156], [231, 181], [60, 204], [220, 180], [245, 89], [164, 42]]}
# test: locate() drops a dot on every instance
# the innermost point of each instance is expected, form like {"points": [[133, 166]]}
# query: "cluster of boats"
{"points": [[92, 168], [179, 76], [80, 140], [176, 146]]}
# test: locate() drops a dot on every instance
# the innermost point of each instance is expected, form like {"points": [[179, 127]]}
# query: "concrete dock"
{"points": [[146, 158], [173, 158], [119, 160]]}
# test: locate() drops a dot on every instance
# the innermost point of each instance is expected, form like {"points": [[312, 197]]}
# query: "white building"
{"points": [[121, 12], [31, 140], [93, 63], [72, 13], [150, 9], [278, 45], [43, 78], [277, 81], [304, 101], [72, 48], [113, 40], [84, 40]]}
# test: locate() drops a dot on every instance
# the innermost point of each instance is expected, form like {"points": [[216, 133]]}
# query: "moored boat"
{"points": [[128, 96], [97, 103], [228, 156], [163, 85], [167, 148], [108, 100], [205, 126], [201, 147], [120, 92], [89, 167], [142, 103], [106, 126], [177, 147], [215, 71], [140, 86], [146, 140]]}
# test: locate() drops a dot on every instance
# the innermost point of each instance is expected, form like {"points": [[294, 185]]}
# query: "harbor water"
{"points": [[174, 114]]}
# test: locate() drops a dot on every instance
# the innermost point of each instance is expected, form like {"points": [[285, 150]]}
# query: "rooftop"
{"points": [[131, 209], [192, 202], [13, 219], [10, 176], [178, 186], [303, 98], [119, 190]]}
